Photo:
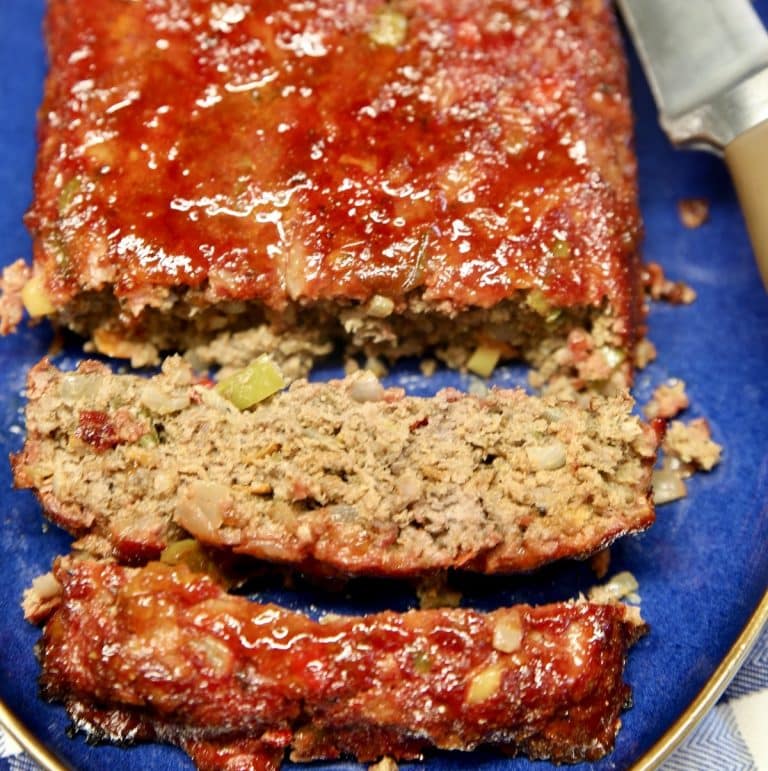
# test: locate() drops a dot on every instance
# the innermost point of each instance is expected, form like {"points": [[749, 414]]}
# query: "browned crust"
{"points": [[164, 654], [524, 107]]}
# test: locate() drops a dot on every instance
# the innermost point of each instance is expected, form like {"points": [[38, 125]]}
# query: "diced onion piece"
{"points": [[667, 486], [547, 457], [217, 656], [380, 307], [46, 586], [389, 27], [612, 356], [485, 684], [258, 381], [162, 401], [622, 585], [201, 510], [508, 632], [35, 298], [195, 521], [484, 360], [367, 388], [76, 387]]}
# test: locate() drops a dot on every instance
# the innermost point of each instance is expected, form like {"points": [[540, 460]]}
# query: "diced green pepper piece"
{"points": [[258, 381], [421, 663], [560, 249], [539, 303], [68, 193], [484, 360]]}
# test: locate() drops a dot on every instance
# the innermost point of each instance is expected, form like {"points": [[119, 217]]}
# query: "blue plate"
{"points": [[702, 568]]}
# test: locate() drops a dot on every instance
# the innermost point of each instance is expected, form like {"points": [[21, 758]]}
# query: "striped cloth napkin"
{"points": [[732, 737]]}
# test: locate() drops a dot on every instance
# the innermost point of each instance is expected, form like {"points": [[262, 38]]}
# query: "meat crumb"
{"points": [[13, 279], [428, 367], [385, 764], [434, 592], [477, 387], [659, 287], [668, 400], [377, 366], [645, 353], [600, 563], [693, 212], [692, 444], [41, 598]]}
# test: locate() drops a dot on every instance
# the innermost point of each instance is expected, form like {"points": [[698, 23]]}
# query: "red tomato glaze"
{"points": [[337, 149]]}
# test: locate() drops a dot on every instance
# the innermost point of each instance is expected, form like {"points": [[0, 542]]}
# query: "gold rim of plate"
{"points": [[710, 693], [652, 759]]}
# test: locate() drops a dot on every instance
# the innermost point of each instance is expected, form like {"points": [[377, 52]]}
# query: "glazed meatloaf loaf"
{"points": [[399, 175], [343, 477], [161, 653]]}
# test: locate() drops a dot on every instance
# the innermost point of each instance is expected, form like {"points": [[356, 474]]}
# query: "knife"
{"points": [[707, 64]]}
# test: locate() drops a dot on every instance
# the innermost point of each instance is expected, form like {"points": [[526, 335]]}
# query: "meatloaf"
{"points": [[161, 653], [346, 476], [399, 175]]}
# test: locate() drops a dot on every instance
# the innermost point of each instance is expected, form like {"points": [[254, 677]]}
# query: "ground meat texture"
{"points": [[389, 173], [162, 653], [344, 477], [659, 287], [668, 400], [692, 444]]}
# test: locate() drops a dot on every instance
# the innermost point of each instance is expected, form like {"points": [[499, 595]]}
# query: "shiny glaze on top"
{"points": [[281, 151], [175, 644]]}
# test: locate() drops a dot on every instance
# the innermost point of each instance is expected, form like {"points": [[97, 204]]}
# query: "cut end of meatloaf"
{"points": [[199, 175], [587, 346], [342, 477], [193, 666]]}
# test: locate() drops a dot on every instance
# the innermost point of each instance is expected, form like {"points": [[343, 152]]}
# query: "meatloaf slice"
{"points": [[160, 653], [397, 174], [342, 476]]}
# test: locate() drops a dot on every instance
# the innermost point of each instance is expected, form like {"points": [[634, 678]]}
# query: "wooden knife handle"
{"points": [[747, 159]]}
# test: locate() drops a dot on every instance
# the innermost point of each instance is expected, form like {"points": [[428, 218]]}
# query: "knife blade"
{"points": [[707, 65]]}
